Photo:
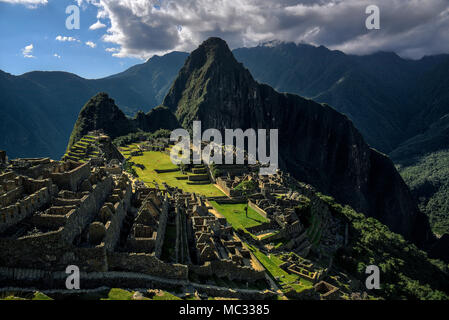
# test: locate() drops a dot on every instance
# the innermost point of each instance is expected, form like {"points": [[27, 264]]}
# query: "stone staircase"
{"points": [[199, 175]]}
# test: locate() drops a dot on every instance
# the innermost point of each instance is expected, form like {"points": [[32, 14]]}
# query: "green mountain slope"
{"points": [[375, 91], [101, 113], [406, 271], [428, 179], [38, 109]]}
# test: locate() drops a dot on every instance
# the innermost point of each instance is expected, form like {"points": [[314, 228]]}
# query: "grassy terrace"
{"points": [[79, 151], [161, 161], [281, 277], [235, 215]]}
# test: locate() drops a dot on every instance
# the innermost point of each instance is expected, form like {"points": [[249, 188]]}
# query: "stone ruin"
{"points": [[157, 144], [59, 213], [178, 228], [45, 220], [300, 266]]}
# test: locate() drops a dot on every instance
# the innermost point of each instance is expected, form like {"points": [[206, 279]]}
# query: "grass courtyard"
{"points": [[161, 161], [235, 215]]}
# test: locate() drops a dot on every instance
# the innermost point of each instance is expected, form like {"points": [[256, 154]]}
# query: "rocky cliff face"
{"points": [[317, 144]]}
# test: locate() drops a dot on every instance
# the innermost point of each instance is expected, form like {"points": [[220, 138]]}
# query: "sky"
{"points": [[116, 34]]}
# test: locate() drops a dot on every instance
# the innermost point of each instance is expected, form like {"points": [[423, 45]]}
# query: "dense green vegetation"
{"points": [[140, 136], [100, 112], [406, 271], [128, 166], [428, 180]]}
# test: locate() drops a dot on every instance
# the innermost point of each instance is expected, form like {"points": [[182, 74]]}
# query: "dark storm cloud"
{"points": [[412, 28]]}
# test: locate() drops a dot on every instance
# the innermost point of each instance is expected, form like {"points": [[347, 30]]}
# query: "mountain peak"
{"points": [[100, 112], [213, 49], [209, 69], [214, 42]]}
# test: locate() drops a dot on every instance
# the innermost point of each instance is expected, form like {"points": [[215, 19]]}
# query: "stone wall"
{"points": [[15, 213], [113, 227], [32, 167], [261, 227], [257, 209], [285, 233], [227, 269], [32, 185], [242, 294], [198, 177], [54, 249], [228, 191], [147, 264], [78, 218], [145, 245], [166, 170], [70, 180], [163, 218]]}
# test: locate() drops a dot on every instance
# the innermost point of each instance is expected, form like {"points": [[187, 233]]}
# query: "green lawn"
{"points": [[235, 215], [159, 160]]}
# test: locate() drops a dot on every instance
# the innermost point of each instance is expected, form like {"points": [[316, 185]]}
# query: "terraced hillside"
{"points": [[84, 150]]}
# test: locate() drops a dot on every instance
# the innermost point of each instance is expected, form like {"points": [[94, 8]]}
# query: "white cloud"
{"points": [[91, 44], [97, 25], [28, 51], [57, 56], [31, 4], [112, 49], [66, 39], [145, 27]]}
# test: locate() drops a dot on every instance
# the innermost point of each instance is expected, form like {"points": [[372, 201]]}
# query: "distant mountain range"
{"points": [[38, 109], [397, 104]]}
